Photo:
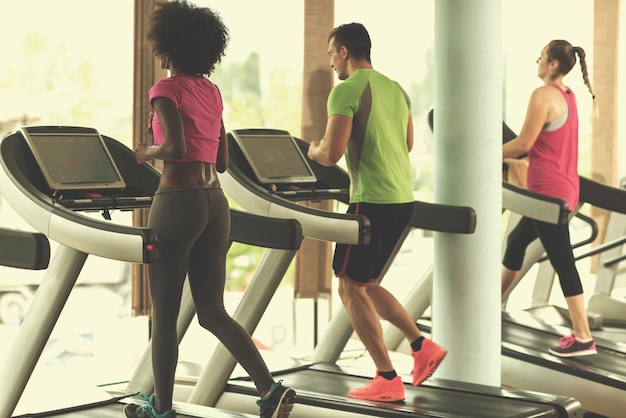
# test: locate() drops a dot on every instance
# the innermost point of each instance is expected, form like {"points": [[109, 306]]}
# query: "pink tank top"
{"points": [[553, 158], [200, 105]]}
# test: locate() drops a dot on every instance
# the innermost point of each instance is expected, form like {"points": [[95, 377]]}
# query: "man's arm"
{"points": [[329, 150]]}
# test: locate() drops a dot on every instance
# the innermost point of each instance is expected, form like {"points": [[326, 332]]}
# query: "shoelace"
{"points": [[567, 341], [145, 397]]}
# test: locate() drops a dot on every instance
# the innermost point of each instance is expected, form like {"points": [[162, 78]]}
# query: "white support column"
{"points": [[467, 147]]}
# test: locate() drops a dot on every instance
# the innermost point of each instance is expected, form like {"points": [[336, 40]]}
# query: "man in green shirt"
{"points": [[369, 120]]}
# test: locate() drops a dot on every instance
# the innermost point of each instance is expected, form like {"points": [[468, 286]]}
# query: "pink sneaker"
{"points": [[380, 389], [570, 346], [426, 361]]}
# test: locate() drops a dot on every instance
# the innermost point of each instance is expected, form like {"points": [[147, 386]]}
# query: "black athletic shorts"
{"points": [[364, 263]]}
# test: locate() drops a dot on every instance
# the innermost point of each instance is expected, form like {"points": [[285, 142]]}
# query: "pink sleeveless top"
{"points": [[553, 158]]}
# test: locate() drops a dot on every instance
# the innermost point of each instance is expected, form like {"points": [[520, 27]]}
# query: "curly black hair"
{"points": [[193, 38]]}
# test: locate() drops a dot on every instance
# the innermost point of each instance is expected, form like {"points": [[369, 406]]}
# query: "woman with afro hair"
{"points": [[190, 214]]}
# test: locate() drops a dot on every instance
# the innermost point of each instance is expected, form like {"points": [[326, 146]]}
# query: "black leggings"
{"points": [[193, 228], [556, 242]]}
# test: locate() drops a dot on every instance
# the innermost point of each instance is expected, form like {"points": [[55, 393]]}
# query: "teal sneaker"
{"points": [[146, 410], [278, 402]]}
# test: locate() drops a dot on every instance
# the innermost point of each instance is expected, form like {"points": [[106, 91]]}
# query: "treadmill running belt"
{"points": [[108, 408], [607, 367], [113, 408], [326, 386], [597, 382]]}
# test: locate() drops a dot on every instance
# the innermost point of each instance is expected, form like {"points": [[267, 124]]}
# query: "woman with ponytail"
{"points": [[549, 136]]}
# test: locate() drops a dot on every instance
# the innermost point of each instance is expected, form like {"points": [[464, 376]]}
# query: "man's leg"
{"points": [[426, 354], [354, 266], [386, 386], [390, 309], [365, 321]]}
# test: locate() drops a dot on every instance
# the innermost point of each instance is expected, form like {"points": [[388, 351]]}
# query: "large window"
{"points": [[261, 75], [71, 62], [67, 62]]}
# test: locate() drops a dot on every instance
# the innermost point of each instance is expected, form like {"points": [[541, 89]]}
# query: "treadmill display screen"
{"points": [[73, 158], [275, 158]]}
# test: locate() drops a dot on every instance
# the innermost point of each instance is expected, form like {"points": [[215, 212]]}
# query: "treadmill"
{"points": [[603, 301], [605, 310], [597, 381], [609, 309], [601, 378], [57, 215], [31, 250], [322, 386]]}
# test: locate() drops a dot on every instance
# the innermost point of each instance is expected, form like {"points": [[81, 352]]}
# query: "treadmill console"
{"points": [[276, 162], [79, 169]]}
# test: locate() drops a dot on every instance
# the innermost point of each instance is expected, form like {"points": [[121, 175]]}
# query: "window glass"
{"points": [[68, 62], [260, 76], [71, 62]]}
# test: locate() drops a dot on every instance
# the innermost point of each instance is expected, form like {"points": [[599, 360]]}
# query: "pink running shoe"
{"points": [[380, 389], [570, 346], [426, 361]]}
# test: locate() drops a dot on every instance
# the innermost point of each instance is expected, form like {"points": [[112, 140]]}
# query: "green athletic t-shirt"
{"points": [[377, 154]]}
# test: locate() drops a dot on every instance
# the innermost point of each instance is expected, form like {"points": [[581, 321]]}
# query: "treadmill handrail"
{"points": [[259, 202], [605, 246], [23, 249], [534, 205], [602, 195], [578, 244], [264, 231], [443, 218]]}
